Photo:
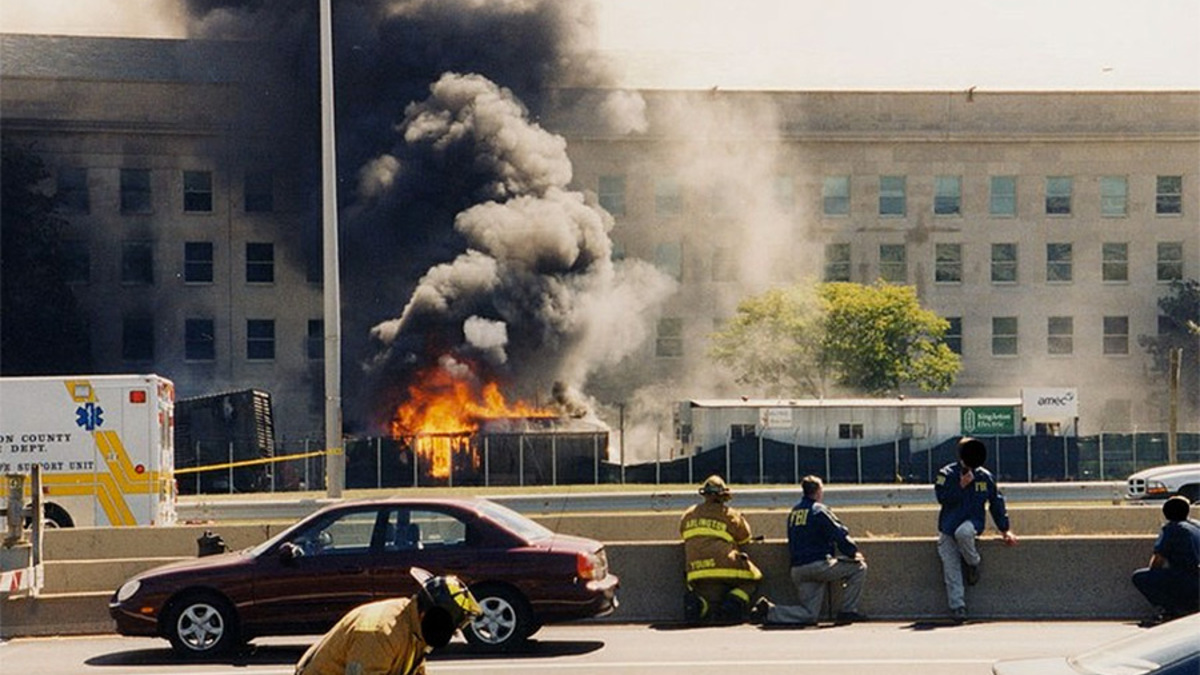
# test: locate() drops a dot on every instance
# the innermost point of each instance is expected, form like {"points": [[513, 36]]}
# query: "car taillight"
{"points": [[591, 565]]}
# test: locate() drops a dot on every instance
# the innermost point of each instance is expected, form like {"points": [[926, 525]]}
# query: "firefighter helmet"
{"points": [[447, 593], [715, 488]]}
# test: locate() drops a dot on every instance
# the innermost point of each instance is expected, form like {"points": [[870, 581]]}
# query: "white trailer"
{"points": [[105, 444]]}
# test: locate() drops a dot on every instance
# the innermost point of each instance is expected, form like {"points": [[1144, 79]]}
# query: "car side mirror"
{"points": [[289, 552]]}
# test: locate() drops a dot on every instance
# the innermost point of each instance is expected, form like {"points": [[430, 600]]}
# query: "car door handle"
{"points": [[350, 570]]}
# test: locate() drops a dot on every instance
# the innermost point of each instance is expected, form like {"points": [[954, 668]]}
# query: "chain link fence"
{"points": [[581, 459]]}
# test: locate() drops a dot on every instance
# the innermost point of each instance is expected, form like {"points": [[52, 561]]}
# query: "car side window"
{"points": [[434, 529], [349, 533]]}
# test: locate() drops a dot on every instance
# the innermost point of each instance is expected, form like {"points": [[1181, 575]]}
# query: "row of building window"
{"points": [[1059, 194], [137, 262], [200, 339], [136, 194], [948, 262], [1060, 335]]}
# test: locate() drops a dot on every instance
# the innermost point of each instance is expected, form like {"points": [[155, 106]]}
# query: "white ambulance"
{"points": [[105, 444]]}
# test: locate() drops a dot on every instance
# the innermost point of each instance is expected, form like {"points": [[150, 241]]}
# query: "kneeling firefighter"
{"points": [[721, 579], [393, 636]]}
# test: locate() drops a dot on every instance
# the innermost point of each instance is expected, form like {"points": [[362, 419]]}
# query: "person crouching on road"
{"points": [[393, 636], [721, 578], [1171, 582], [964, 488], [815, 536]]}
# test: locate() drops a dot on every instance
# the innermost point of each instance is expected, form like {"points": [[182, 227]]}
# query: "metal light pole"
{"points": [[335, 459]]}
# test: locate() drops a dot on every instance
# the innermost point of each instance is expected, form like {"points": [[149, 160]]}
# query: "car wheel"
{"points": [[201, 625], [1191, 492], [506, 620]]}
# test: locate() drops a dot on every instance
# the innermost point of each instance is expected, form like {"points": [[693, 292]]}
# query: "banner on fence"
{"points": [[1049, 404], [988, 420]]}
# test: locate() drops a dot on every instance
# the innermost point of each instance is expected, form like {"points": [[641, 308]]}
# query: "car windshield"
{"points": [[517, 523], [1144, 652]]}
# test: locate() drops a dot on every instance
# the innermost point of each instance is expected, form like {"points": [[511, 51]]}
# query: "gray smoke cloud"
{"points": [[462, 242], [534, 297]]}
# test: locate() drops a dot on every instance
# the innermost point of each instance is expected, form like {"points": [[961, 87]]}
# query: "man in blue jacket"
{"points": [[964, 489], [1171, 582], [815, 537]]}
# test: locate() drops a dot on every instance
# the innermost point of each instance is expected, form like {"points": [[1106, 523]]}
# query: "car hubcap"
{"points": [[200, 626], [497, 622]]}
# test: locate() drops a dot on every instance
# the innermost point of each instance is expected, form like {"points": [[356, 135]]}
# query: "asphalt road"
{"points": [[608, 649]]}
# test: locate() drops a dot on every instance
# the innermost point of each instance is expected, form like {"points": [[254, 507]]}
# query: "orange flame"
{"points": [[443, 411]]}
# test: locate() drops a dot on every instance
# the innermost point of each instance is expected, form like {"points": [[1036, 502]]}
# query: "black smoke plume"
{"points": [[462, 241]]}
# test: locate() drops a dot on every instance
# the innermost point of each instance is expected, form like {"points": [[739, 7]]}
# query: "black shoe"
{"points": [[970, 573], [844, 618], [958, 615], [758, 613]]}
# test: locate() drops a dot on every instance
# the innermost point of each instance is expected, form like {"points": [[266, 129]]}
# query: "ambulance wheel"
{"points": [[200, 625], [53, 516], [506, 621]]}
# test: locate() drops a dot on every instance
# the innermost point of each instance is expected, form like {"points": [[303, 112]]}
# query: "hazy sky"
{"points": [[810, 44]]}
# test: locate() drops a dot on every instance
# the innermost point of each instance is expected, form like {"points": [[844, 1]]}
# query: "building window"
{"points": [[77, 261], [1168, 195], [668, 258], [199, 340], [724, 264], [850, 431], [1003, 198], [1116, 335], [1004, 263], [1058, 195], [1058, 263], [785, 194], [1170, 260], [669, 342], [1114, 196], [197, 191], [135, 191], [892, 200], [837, 262], [740, 431], [948, 263], [947, 195], [316, 339], [137, 262], [71, 191], [1060, 335], [260, 339], [893, 263], [137, 338], [259, 192], [612, 194], [835, 195], [1004, 336], [953, 335], [260, 263], [668, 197], [198, 262], [1115, 265]]}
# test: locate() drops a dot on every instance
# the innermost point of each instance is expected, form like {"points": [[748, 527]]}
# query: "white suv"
{"points": [[1164, 481]]}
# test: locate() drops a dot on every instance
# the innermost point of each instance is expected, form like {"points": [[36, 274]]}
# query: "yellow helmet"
{"points": [[715, 488]]}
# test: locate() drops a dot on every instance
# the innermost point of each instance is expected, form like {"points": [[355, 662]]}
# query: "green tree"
{"points": [[41, 329], [870, 339], [878, 338], [774, 342], [1179, 328]]}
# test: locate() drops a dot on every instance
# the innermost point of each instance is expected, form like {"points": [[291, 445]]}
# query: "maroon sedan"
{"points": [[304, 579]]}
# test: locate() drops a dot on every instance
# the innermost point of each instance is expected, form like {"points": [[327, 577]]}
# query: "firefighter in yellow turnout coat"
{"points": [[392, 637], [720, 576]]}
